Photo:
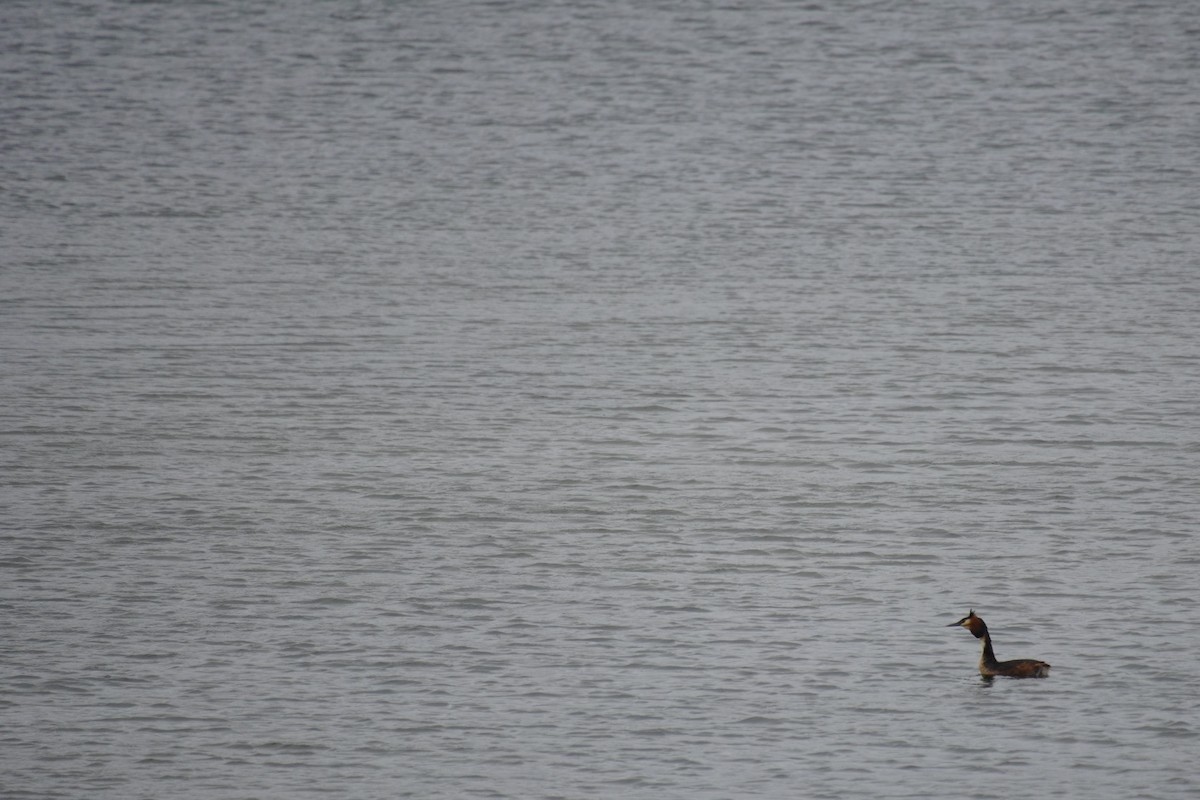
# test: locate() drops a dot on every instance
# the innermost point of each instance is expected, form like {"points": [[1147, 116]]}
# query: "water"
{"points": [[538, 399]]}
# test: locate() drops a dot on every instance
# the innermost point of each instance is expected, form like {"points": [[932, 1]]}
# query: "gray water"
{"points": [[575, 399]]}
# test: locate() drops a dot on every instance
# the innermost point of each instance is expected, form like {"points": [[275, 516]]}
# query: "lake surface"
{"points": [[562, 400]]}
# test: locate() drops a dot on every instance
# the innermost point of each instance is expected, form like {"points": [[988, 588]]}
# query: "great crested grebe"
{"points": [[988, 665]]}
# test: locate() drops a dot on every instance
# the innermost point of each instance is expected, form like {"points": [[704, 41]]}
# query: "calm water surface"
{"points": [[560, 400]]}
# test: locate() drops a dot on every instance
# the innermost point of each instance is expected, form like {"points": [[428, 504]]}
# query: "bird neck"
{"points": [[988, 657]]}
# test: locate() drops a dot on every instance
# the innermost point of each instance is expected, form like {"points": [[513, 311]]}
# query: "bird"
{"points": [[989, 667]]}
